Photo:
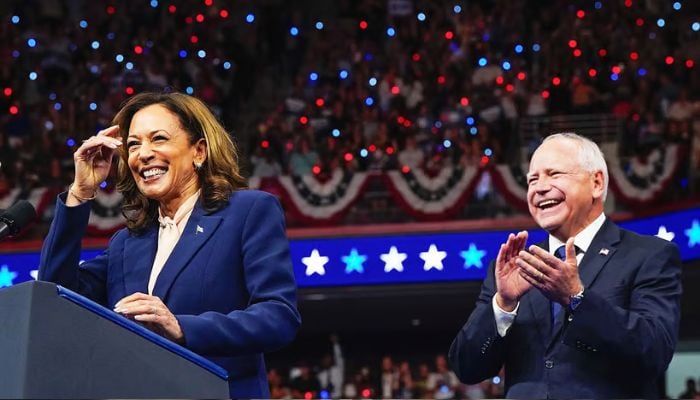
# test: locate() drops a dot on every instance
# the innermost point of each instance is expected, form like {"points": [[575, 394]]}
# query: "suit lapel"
{"points": [[599, 252], [198, 230], [139, 253]]}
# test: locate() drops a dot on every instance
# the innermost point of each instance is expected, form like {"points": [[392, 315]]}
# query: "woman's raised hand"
{"points": [[93, 159]]}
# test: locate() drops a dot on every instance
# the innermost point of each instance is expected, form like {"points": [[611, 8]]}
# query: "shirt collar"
{"points": [[185, 210], [583, 239]]}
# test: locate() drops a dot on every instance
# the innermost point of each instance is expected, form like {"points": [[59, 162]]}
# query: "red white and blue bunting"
{"points": [[511, 183], [308, 200], [106, 216], [642, 180], [433, 198], [322, 202]]}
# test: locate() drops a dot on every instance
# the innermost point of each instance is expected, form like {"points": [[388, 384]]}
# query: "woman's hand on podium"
{"points": [[153, 313]]}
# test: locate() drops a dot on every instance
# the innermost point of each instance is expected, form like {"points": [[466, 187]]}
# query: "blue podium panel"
{"points": [[57, 344]]}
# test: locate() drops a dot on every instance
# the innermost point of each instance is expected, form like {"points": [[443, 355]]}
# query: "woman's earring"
{"points": [[197, 165]]}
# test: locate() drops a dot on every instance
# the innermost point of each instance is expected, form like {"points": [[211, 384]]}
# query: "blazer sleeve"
{"points": [[642, 336], [478, 351], [60, 253], [271, 319]]}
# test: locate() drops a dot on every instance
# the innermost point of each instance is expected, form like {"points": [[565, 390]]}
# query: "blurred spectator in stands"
{"points": [[303, 158], [413, 94], [690, 390], [384, 155], [651, 130], [667, 91], [679, 113], [536, 103], [583, 96], [622, 107], [411, 156], [443, 382], [390, 86], [264, 163], [405, 384], [361, 385], [389, 378], [420, 384], [332, 373], [278, 388], [681, 109], [305, 385]]}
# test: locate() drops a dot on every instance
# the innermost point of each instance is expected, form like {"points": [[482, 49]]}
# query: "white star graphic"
{"points": [[664, 234], [315, 263], [393, 260], [433, 258], [35, 274]]}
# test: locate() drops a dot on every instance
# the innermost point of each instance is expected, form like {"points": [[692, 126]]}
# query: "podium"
{"points": [[56, 344]]}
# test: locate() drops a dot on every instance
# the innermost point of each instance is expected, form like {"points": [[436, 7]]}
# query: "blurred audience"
{"points": [[356, 86], [406, 379]]}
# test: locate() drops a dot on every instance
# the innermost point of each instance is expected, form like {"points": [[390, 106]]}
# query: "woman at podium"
{"points": [[202, 261]]}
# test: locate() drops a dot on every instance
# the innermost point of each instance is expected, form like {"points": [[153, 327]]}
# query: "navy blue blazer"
{"points": [[228, 281], [617, 344]]}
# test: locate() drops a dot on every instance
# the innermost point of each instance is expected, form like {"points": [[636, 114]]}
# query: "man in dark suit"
{"points": [[592, 312]]}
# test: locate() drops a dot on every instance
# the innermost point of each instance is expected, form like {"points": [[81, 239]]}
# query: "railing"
{"points": [[598, 127]]}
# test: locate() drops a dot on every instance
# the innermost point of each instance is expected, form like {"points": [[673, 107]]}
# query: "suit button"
{"points": [[549, 364]]}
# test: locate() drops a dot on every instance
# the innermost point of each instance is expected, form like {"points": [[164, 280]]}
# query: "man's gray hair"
{"points": [[590, 157]]}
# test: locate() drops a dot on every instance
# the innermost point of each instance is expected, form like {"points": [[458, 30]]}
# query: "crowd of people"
{"points": [[384, 377], [368, 85], [451, 89], [335, 375]]}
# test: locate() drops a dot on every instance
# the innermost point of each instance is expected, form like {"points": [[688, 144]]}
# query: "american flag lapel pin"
{"points": [[199, 230], [604, 251]]}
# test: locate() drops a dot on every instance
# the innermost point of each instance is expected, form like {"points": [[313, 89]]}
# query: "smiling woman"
{"points": [[178, 134], [161, 158], [202, 262]]}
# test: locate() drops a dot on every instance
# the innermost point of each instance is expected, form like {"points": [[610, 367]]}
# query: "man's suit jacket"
{"points": [[228, 281], [618, 342]]}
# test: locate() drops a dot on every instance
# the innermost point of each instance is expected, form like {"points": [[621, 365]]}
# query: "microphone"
{"points": [[16, 218]]}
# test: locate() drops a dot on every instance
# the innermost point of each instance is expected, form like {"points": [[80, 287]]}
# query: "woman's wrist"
{"points": [[80, 195]]}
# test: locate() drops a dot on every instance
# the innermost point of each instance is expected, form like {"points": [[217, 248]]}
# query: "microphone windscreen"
{"points": [[18, 216]]}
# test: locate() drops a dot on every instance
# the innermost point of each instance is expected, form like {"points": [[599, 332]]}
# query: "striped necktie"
{"points": [[556, 307]]}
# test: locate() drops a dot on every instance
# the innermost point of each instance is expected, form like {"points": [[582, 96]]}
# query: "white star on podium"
{"points": [[393, 260], [433, 258], [315, 263]]}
